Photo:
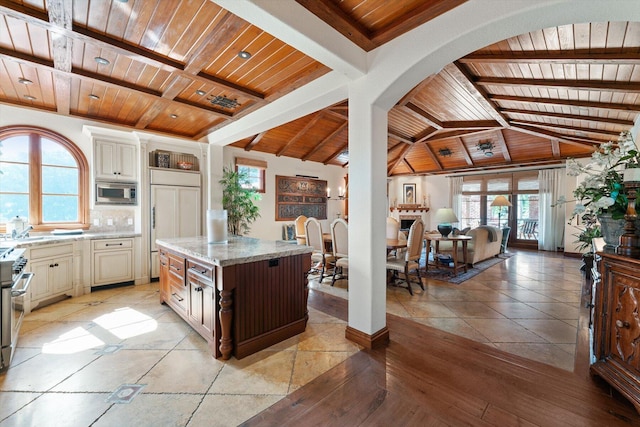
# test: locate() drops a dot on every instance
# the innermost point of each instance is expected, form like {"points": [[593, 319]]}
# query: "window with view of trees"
{"points": [[254, 170], [43, 179]]}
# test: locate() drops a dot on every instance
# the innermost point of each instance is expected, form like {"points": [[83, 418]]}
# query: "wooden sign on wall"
{"points": [[297, 196]]}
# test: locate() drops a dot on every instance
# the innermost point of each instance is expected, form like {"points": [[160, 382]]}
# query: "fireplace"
{"points": [[407, 220]]}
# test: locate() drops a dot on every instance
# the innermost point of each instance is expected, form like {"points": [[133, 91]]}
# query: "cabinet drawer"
{"points": [[109, 244], [51, 251], [176, 265], [178, 296], [199, 270]]}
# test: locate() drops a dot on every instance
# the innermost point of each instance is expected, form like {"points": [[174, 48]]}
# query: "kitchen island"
{"points": [[242, 296]]}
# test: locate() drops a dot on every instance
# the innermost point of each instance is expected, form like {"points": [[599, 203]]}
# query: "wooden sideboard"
{"points": [[238, 308], [616, 326]]}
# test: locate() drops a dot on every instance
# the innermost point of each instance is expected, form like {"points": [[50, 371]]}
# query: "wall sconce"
{"points": [[486, 147], [445, 152], [341, 195]]}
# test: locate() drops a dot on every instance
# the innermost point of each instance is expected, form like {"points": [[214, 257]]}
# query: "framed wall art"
{"points": [[297, 196], [409, 194]]}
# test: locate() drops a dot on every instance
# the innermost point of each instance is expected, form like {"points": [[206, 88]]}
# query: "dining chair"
{"points": [[393, 227], [410, 260], [340, 243], [313, 233], [300, 233]]}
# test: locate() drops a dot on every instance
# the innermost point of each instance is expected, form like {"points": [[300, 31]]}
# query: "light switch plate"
{"points": [[96, 222], [130, 221], [109, 221]]}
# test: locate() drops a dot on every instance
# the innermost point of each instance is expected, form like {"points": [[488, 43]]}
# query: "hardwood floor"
{"points": [[430, 377]]}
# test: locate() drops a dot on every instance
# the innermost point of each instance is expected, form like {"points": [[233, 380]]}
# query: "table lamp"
{"points": [[444, 217], [500, 201]]}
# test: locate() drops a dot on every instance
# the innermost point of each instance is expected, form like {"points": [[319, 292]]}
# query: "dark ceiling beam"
{"points": [[342, 114], [407, 164], [422, 115], [325, 140], [563, 127], [491, 167], [61, 16], [460, 73], [569, 117], [336, 154], [432, 155], [329, 12], [425, 12], [394, 135], [543, 133], [471, 124], [631, 108], [608, 85], [455, 133], [464, 151], [425, 135], [254, 141], [299, 135], [398, 160], [553, 57], [502, 143]]}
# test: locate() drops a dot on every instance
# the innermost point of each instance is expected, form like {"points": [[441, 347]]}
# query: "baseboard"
{"points": [[379, 339]]}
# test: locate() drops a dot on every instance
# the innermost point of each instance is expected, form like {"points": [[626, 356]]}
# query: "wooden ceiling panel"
{"points": [[571, 150], [406, 121], [447, 100], [189, 121]]}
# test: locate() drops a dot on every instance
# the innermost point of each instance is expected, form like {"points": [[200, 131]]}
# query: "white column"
{"points": [[367, 212]]}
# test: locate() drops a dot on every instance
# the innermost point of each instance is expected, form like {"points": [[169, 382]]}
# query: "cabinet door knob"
{"points": [[621, 324]]}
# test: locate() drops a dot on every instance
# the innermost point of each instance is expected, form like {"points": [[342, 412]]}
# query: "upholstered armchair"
{"points": [[410, 260], [300, 233], [313, 233], [340, 244]]}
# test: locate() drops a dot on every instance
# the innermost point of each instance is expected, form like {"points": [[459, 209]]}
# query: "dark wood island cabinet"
{"points": [[616, 325], [241, 297]]}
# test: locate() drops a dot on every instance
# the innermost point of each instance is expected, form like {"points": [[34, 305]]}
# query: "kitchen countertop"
{"points": [[40, 239], [239, 250]]}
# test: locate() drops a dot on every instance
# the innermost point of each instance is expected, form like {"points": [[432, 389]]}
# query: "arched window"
{"points": [[44, 177]]}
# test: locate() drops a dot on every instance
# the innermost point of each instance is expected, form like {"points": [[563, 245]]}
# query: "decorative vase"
{"points": [[611, 230]]}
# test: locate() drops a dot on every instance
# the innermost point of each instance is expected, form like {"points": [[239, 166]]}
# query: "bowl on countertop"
{"points": [[185, 165]]}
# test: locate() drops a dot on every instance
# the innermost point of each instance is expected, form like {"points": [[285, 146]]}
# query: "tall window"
{"points": [[478, 191], [44, 179]]}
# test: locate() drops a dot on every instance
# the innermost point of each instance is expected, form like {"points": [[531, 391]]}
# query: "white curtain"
{"points": [[551, 219], [456, 195]]}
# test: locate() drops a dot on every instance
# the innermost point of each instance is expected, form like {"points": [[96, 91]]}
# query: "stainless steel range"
{"points": [[14, 282]]}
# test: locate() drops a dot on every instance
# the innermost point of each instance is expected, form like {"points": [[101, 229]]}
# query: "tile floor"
{"points": [[83, 354], [527, 305], [77, 358]]}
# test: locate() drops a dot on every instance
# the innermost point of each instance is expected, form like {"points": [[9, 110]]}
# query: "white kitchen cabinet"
{"points": [[115, 161], [112, 261], [53, 268], [176, 209]]}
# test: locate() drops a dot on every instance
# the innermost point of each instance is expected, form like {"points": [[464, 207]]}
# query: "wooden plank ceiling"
{"points": [[174, 68]]}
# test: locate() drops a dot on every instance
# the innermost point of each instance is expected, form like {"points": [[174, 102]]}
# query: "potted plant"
{"points": [[601, 193], [238, 197]]}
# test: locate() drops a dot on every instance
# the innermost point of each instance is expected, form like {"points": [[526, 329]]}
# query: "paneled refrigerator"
{"points": [[176, 208]]}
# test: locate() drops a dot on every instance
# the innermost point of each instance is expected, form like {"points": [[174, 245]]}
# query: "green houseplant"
{"points": [[601, 201], [238, 199]]}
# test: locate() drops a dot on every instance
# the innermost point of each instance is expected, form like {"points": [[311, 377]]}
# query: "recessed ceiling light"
{"points": [[174, 116], [102, 61], [24, 81], [244, 54], [200, 92], [30, 98], [92, 96]]}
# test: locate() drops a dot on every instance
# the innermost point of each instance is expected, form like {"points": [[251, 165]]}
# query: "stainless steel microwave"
{"points": [[116, 193]]}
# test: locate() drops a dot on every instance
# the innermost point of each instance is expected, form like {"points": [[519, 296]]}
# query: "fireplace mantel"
{"points": [[417, 209]]}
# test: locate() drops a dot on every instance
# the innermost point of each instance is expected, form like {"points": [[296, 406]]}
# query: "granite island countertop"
{"points": [[239, 249]]}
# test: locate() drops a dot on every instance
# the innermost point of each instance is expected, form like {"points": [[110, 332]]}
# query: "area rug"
{"points": [[446, 274]]}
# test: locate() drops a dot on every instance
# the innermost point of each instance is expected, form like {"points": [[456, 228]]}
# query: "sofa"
{"points": [[485, 243]]}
